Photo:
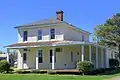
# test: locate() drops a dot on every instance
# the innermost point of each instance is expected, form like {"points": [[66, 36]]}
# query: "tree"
{"points": [[2, 52], [4, 66], [108, 34], [13, 56], [114, 63]]}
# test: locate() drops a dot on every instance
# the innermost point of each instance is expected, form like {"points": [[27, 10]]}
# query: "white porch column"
{"points": [[96, 56], [107, 57], [90, 53], [53, 58], [82, 56], [8, 55], [102, 60], [37, 66], [22, 64]]}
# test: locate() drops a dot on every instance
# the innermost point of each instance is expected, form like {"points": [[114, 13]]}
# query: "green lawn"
{"points": [[51, 77]]}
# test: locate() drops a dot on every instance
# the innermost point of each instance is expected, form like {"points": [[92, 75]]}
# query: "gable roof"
{"points": [[47, 22], [49, 43], [41, 22]]}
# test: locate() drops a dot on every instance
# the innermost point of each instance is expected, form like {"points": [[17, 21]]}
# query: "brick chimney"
{"points": [[59, 15]]}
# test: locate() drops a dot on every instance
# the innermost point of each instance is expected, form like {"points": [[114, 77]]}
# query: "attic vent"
{"points": [[58, 50]]}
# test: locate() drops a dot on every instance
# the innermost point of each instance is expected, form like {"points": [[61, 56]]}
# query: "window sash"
{"points": [[40, 60], [82, 37], [51, 54], [50, 59], [52, 36], [52, 33], [39, 34], [40, 56], [25, 35], [72, 56]]}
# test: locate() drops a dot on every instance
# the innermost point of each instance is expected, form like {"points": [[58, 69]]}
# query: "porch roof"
{"points": [[47, 43]]}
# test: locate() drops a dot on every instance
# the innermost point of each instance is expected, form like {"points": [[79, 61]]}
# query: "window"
{"points": [[51, 56], [51, 51], [82, 37], [39, 34], [77, 53], [52, 33], [24, 57], [25, 35], [58, 50], [40, 59], [72, 56]]}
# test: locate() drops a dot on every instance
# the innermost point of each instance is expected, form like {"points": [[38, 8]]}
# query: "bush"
{"points": [[22, 71], [28, 71], [4, 66], [113, 63], [51, 72], [97, 71], [84, 66], [42, 71], [35, 71]]}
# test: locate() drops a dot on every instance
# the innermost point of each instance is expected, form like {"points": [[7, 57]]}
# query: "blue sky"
{"points": [[85, 14]]}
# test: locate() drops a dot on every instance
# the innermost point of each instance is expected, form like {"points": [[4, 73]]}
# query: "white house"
{"points": [[56, 44]]}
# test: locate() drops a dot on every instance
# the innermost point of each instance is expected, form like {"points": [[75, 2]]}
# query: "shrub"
{"points": [[39, 71], [4, 66], [35, 71], [84, 66], [97, 71], [42, 71], [113, 63], [28, 71], [51, 72], [22, 71]]}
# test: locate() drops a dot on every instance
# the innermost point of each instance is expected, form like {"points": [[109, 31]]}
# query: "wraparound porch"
{"points": [[66, 59]]}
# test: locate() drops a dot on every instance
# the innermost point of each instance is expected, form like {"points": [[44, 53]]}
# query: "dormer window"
{"points": [[25, 35], [82, 37], [39, 34], [52, 33]]}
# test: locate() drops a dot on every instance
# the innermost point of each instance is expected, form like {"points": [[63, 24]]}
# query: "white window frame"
{"points": [[71, 56], [83, 38], [40, 56], [53, 33], [24, 36], [39, 35]]}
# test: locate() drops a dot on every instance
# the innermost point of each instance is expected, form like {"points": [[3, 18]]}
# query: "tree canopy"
{"points": [[108, 34]]}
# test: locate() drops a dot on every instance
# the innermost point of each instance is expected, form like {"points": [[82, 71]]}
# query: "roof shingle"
{"points": [[32, 44], [41, 22]]}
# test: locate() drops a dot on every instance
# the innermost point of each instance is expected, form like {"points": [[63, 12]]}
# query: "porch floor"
{"points": [[60, 71]]}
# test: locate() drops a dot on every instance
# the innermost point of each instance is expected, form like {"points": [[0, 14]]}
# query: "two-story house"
{"points": [[56, 44]]}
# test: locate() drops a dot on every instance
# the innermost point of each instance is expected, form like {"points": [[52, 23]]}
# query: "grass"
{"points": [[110, 74], [52, 77]]}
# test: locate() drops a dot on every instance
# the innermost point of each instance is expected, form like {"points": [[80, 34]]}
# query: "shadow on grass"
{"points": [[108, 71], [112, 71]]}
